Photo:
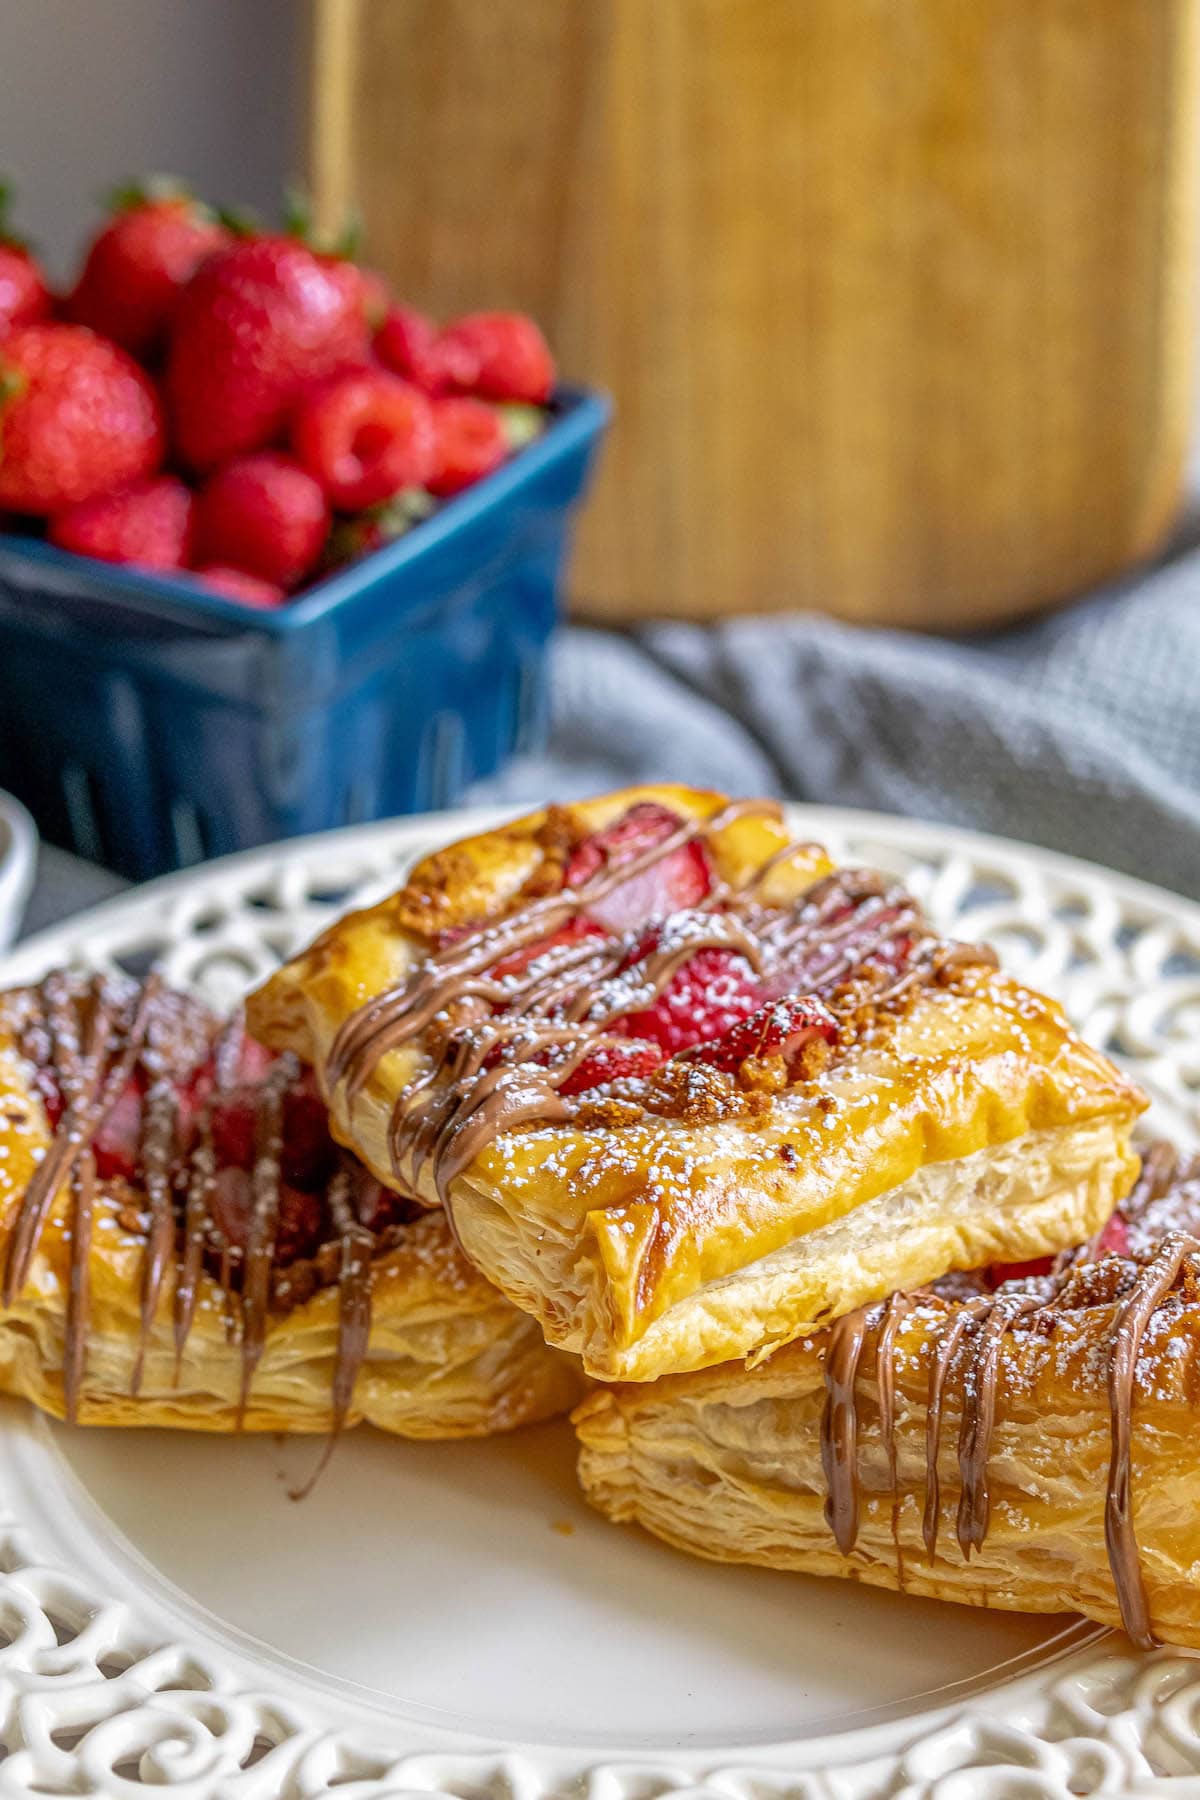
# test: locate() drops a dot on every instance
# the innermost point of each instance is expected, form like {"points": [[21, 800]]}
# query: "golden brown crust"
{"points": [[448, 1356], [647, 1243]]}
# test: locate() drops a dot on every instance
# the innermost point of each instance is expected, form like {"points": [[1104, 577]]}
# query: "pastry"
{"points": [[686, 1090], [183, 1244], [1024, 1438]]}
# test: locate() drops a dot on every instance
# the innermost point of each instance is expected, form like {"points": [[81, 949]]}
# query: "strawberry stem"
{"points": [[7, 235], [145, 190]]}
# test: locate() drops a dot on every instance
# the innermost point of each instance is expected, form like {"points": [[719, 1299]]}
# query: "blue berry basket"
{"points": [[148, 724]]}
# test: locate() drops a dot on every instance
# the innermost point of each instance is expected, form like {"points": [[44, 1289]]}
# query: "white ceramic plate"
{"points": [[451, 1618]]}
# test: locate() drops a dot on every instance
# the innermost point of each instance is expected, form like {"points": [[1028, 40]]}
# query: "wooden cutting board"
{"points": [[896, 297]]}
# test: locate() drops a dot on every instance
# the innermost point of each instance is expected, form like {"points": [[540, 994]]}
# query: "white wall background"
{"points": [[94, 90]]}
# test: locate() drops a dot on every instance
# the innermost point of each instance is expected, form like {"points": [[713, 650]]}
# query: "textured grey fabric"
{"points": [[1080, 731]]}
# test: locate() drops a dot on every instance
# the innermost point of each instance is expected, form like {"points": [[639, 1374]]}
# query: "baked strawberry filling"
{"points": [[679, 880], [723, 1002], [308, 1160]]}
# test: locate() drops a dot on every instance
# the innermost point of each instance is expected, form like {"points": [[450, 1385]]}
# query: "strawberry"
{"points": [[714, 991], [256, 324], [573, 932], [408, 344], [118, 1140], [503, 357], [148, 523], [308, 1149], [781, 1028], [138, 263], [235, 1129], [470, 443], [235, 584], [1114, 1239], [24, 296], [77, 417], [298, 1227], [365, 436], [617, 1062], [676, 882], [265, 514]]}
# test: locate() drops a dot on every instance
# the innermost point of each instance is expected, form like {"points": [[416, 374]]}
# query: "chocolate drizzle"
{"points": [[264, 1221], [502, 1048], [968, 1350], [88, 1040]]}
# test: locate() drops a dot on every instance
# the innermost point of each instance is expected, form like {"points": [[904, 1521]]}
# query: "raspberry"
{"points": [[470, 443], [364, 436]]}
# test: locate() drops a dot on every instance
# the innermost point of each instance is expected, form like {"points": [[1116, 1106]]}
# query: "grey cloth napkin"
{"points": [[1080, 731]]}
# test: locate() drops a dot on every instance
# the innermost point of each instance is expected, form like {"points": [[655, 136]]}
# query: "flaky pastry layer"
{"points": [[727, 1465]]}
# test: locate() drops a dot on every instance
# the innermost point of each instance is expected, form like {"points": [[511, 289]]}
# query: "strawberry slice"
{"points": [[781, 1028], [308, 1150], [573, 932], [298, 1231], [680, 879], [231, 1202], [235, 1130], [996, 1274], [713, 991], [118, 1140], [617, 1062], [1114, 1239]]}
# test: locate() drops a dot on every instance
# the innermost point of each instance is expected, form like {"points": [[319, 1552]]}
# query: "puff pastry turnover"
{"points": [[1023, 1440], [183, 1244], [687, 1090]]}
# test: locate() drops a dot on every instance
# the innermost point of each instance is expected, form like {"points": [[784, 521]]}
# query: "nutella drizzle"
{"points": [[159, 1120], [264, 1221], [497, 1071], [972, 1335], [93, 1038]]}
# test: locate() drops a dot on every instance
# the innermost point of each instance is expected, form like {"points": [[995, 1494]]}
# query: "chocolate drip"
{"points": [[1154, 1281], [980, 1393], [264, 1222], [197, 1224], [354, 1319], [885, 1384], [83, 1194], [159, 1120], [935, 1403], [839, 1427], [90, 1088]]}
